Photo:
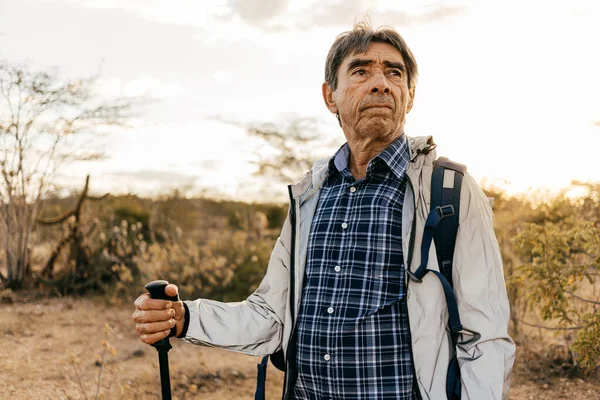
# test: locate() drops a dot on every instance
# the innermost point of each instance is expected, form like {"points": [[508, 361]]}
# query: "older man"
{"points": [[336, 299]]}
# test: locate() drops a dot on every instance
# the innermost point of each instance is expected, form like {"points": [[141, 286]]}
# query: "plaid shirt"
{"points": [[352, 333]]}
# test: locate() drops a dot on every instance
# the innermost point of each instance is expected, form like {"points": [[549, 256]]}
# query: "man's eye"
{"points": [[396, 72], [359, 72]]}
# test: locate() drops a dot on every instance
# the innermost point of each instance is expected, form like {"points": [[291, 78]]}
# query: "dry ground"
{"points": [[40, 338]]}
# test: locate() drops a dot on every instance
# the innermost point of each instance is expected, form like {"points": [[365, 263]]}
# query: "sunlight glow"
{"points": [[507, 88]]}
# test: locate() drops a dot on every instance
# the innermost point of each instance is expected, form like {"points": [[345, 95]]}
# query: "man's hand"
{"points": [[155, 318]]}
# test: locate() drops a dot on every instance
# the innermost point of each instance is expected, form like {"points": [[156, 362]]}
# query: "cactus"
{"points": [[83, 260]]}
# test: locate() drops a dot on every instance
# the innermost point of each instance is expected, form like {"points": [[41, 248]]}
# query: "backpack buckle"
{"points": [[413, 277], [445, 211]]}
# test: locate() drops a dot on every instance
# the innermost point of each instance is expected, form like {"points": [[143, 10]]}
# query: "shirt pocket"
{"points": [[388, 266], [383, 273]]}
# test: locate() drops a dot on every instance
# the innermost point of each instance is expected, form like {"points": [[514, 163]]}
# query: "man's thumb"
{"points": [[171, 290]]}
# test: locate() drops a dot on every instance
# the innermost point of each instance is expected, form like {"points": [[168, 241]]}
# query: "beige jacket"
{"points": [[263, 323]]}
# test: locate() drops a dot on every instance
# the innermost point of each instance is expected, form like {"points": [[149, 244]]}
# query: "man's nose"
{"points": [[380, 83]]}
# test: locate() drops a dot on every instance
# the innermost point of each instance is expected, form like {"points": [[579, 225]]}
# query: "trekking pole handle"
{"points": [[157, 290]]}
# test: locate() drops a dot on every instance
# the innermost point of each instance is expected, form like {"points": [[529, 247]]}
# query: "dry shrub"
{"points": [[227, 267]]}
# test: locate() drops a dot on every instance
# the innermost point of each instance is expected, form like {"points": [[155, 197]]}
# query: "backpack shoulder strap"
{"points": [[442, 224], [446, 182]]}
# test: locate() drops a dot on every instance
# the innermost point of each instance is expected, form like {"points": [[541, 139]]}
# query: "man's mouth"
{"points": [[378, 105]]}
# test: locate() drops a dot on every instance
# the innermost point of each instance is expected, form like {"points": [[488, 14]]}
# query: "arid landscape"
{"points": [[51, 350], [67, 332], [146, 140]]}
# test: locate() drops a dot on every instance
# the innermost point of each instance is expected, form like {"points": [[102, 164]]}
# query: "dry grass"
{"points": [[39, 338]]}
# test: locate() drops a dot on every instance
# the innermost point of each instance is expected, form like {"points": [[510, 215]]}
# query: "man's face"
{"points": [[372, 97]]}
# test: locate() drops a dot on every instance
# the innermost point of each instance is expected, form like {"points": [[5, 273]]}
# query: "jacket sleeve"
{"points": [[253, 326], [478, 276]]}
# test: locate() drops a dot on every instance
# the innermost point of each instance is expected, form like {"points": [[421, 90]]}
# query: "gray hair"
{"points": [[357, 41]]}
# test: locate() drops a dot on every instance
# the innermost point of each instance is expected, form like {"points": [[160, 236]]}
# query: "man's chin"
{"points": [[376, 127]]}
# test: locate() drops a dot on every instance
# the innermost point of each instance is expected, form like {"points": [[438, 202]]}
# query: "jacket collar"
{"points": [[313, 180]]}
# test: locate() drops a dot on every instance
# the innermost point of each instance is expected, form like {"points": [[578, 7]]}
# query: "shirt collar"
{"points": [[395, 156]]}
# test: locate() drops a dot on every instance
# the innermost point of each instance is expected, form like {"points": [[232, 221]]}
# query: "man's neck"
{"points": [[361, 152]]}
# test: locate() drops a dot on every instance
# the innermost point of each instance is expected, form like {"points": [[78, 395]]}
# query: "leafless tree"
{"points": [[46, 122], [290, 148]]}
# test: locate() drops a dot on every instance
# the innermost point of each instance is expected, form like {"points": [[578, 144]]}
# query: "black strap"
{"points": [[278, 360], [261, 379]]}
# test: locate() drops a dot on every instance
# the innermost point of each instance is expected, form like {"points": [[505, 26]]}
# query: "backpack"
{"points": [[441, 227]]}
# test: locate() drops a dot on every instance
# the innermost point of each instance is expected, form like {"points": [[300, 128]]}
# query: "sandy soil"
{"points": [[50, 349]]}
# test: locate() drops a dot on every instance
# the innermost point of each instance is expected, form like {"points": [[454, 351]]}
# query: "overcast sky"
{"points": [[509, 88]]}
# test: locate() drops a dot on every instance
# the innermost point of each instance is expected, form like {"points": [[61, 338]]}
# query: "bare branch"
{"points": [[570, 328], [582, 299], [57, 220], [96, 198], [49, 268]]}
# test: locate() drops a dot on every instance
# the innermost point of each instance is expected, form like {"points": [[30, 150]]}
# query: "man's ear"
{"points": [[328, 97], [411, 95]]}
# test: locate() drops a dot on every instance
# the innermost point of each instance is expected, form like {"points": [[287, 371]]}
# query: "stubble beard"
{"points": [[378, 130]]}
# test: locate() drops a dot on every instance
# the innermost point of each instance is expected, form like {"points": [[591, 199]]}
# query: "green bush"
{"points": [[559, 252]]}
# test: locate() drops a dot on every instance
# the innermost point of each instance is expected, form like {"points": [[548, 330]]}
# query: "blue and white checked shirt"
{"points": [[352, 333]]}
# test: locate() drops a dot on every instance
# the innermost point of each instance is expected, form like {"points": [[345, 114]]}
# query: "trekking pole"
{"points": [[157, 291]]}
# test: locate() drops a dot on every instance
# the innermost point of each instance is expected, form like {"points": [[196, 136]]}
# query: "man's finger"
{"points": [[144, 302], [150, 338], [140, 316], [154, 327]]}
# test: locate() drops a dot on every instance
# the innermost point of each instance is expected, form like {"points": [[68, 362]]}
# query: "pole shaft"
{"points": [[165, 380]]}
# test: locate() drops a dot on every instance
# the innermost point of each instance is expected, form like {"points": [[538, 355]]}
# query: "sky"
{"points": [[509, 88]]}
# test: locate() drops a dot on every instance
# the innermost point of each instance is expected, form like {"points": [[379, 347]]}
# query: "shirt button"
{"points": [[344, 225], [330, 310], [327, 357], [352, 189], [337, 268]]}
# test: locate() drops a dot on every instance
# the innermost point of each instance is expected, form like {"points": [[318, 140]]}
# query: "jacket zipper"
{"points": [[411, 245], [291, 347], [411, 242]]}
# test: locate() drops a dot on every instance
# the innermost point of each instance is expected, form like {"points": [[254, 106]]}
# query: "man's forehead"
{"points": [[377, 52]]}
